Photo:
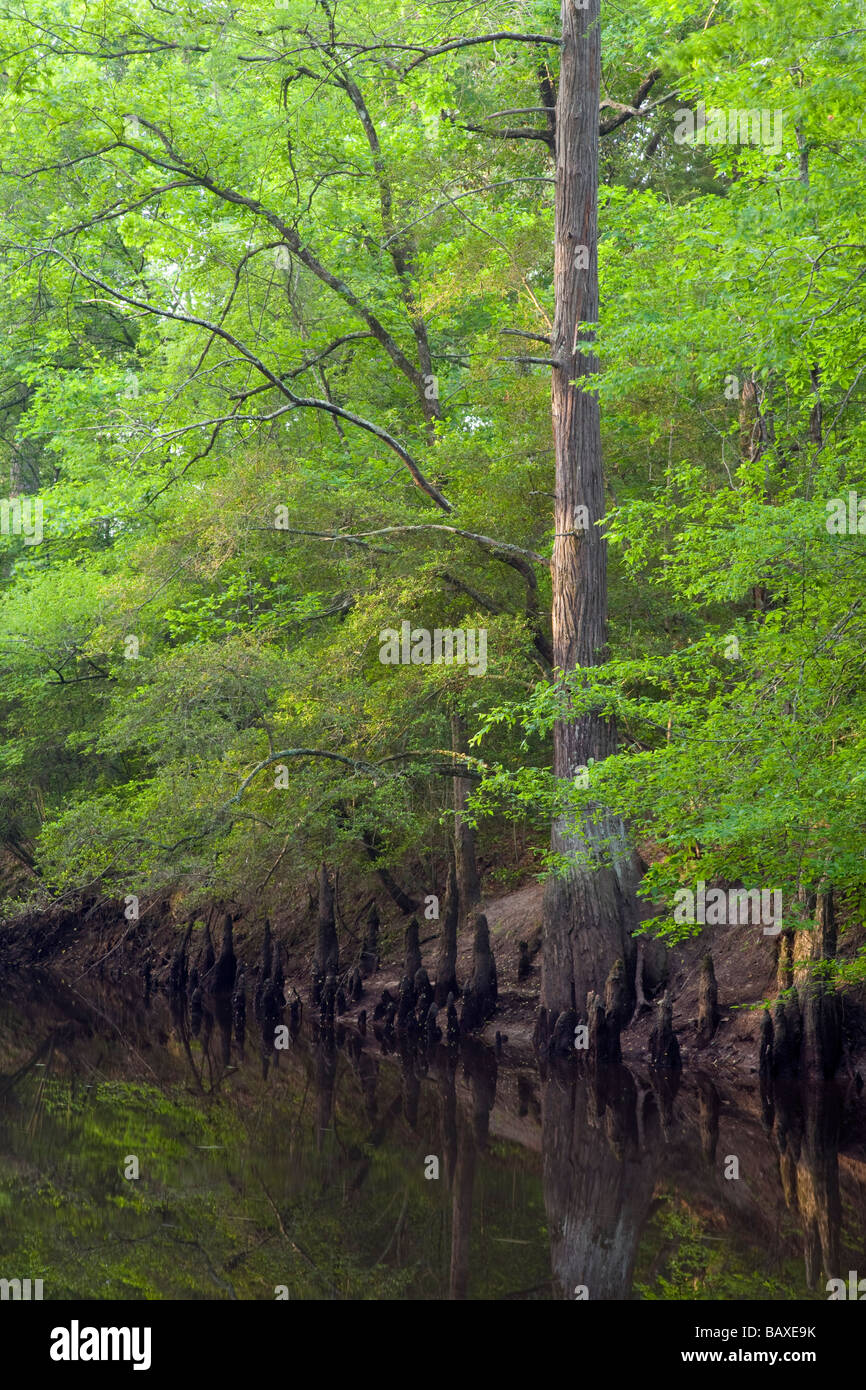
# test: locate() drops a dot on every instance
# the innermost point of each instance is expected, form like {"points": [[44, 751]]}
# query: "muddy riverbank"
{"points": [[95, 942]]}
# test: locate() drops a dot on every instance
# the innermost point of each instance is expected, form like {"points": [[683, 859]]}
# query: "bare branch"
{"points": [[450, 44], [482, 188], [296, 402], [523, 111], [290, 238], [535, 361], [514, 133], [627, 113], [512, 554], [522, 333], [467, 764], [304, 367]]}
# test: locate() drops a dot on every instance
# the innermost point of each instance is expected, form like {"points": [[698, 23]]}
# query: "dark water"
{"points": [[302, 1172]]}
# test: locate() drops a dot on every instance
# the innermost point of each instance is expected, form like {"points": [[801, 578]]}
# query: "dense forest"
{"points": [[432, 636], [432, 434]]}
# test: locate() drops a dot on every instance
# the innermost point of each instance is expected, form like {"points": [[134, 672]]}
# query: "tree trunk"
{"points": [[413, 950], [468, 879], [597, 1182], [708, 1003], [819, 1004], [327, 949], [587, 909], [446, 968], [403, 901], [224, 971]]}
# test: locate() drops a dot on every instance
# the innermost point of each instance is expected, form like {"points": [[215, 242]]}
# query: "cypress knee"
{"points": [[562, 1039], [406, 1005], [541, 1031], [382, 1006], [295, 1013], [239, 1004], [177, 977], [708, 1002], [618, 1000], [452, 1030], [328, 1001], [621, 1005], [413, 950], [664, 1047], [432, 1030], [423, 992], [603, 1033], [208, 955], [279, 978], [225, 969], [264, 970], [479, 997]]}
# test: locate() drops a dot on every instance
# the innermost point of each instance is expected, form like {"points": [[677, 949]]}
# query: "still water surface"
{"points": [[301, 1173]]}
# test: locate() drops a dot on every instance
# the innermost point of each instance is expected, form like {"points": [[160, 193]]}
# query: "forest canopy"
{"points": [[275, 378]]}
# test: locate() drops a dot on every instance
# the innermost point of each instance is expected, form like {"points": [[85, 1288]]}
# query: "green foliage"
{"points": [[222, 227], [681, 1258]]}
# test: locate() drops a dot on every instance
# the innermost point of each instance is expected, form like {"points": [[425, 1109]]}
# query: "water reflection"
{"points": [[602, 1142], [303, 1163]]}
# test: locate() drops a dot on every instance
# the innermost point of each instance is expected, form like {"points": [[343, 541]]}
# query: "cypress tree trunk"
{"points": [[598, 1182], [446, 968], [327, 959], [819, 1005], [413, 950], [468, 878], [588, 909]]}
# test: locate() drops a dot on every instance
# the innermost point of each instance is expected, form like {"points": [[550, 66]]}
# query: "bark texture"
{"points": [[588, 909], [708, 1003], [598, 1180], [327, 960], [468, 877], [479, 997], [446, 968]]}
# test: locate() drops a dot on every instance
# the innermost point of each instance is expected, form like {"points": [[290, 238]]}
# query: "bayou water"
{"points": [[150, 1154]]}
